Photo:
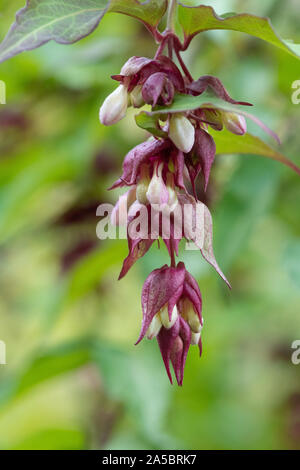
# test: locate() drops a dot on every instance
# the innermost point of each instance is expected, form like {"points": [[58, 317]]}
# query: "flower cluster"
{"points": [[160, 173]]}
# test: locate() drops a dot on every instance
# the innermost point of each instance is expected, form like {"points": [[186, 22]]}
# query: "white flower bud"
{"points": [[114, 107], [194, 322], [182, 132], [164, 315], [195, 338], [136, 97], [235, 123], [154, 328], [173, 199], [143, 185], [189, 314], [119, 214], [157, 192]]}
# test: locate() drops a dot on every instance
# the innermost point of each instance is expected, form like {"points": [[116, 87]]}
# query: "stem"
{"points": [[160, 48], [183, 66], [171, 15], [170, 48], [173, 262]]}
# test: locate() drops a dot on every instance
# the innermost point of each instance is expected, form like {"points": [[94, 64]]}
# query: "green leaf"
{"points": [[149, 12], [201, 18], [150, 124], [184, 103], [64, 21], [228, 143]]}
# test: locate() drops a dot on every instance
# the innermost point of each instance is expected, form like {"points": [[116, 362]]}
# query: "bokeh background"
{"points": [[74, 379]]}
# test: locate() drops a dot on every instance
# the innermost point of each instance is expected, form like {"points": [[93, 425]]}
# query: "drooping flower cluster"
{"points": [[159, 174]]}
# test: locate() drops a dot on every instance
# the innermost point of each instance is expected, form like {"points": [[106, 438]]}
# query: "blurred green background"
{"points": [[73, 379]]}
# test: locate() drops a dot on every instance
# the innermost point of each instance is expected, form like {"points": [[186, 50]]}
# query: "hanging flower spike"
{"points": [[172, 312], [158, 173]]}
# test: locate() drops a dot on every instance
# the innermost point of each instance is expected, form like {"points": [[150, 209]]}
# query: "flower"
{"points": [[142, 80], [172, 312], [182, 132], [235, 123], [114, 107]]}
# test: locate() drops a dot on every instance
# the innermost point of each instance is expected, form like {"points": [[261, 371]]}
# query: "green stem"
{"points": [[171, 15]]}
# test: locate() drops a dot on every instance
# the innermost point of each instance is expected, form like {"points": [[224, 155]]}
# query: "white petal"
{"points": [[114, 107], [182, 132], [154, 327], [164, 315]]}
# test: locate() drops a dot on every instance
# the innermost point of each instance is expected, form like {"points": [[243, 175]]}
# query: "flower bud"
{"points": [[154, 328], [182, 132], [119, 214], [173, 200], [143, 185], [195, 338], [164, 315], [136, 97], [114, 107], [191, 316], [235, 123], [157, 192]]}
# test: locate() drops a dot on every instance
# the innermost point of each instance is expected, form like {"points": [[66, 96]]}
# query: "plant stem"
{"points": [[183, 66], [173, 262], [171, 15]]}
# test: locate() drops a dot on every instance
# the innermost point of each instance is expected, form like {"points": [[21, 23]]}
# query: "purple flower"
{"points": [[172, 312], [142, 80]]}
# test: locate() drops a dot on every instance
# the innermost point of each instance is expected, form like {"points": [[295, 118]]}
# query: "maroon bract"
{"points": [[172, 312]]}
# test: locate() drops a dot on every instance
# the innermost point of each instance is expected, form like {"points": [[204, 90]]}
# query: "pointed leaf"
{"points": [[201, 18], [184, 103], [40, 21], [149, 12], [226, 142]]}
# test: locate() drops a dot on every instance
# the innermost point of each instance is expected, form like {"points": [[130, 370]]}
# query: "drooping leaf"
{"points": [[228, 143], [149, 12], [183, 103], [40, 21], [196, 19]]}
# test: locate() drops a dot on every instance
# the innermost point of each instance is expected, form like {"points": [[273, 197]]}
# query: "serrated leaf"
{"points": [[201, 18], [150, 12], [150, 124], [248, 144], [40, 21]]}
